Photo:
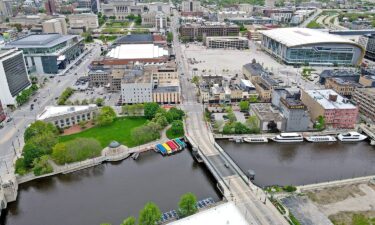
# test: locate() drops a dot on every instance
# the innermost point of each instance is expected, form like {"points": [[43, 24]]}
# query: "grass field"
{"points": [[119, 131]]}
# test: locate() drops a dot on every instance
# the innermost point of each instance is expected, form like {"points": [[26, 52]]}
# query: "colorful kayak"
{"points": [[169, 150], [161, 149], [172, 146]]}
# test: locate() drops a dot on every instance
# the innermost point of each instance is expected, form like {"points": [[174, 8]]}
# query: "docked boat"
{"points": [[320, 138], [351, 137], [256, 140], [288, 138]]}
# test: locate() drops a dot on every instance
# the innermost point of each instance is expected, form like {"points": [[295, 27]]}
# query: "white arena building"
{"points": [[137, 51], [303, 46]]}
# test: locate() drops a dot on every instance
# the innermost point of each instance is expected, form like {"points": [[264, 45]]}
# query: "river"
{"points": [[110, 192], [302, 163]]}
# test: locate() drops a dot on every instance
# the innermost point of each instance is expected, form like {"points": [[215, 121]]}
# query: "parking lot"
{"points": [[92, 94], [229, 62]]}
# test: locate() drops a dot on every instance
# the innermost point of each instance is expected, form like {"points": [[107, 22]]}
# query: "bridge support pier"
{"points": [[372, 142]]}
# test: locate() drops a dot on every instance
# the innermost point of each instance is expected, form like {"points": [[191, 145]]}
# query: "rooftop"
{"points": [[224, 214], [322, 97], [137, 51], [39, 41], [343, 82], [265, 111], [254, 68], [134, 38], [52, 111], [338, 73], [303, 36]]}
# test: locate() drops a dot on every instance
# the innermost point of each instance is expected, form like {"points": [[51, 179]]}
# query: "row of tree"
{"points": [[64, 96], [25, 95], [39, 137], [151, 214]]}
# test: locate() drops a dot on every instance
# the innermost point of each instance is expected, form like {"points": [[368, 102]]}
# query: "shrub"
{"points": [[289, 188], [20, 166], [42, 166], [76, 150]]}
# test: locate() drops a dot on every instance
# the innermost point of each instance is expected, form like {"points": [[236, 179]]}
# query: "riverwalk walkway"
{"points": [[118, 153], [335, 183]]}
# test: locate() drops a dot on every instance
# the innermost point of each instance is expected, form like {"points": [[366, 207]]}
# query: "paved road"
{"points": [[11, 136], [255, 211], [311, 18]]}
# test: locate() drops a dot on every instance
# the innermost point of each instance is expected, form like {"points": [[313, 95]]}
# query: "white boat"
{"points": [[351, 137], [256, 140], [320, 138], [288, 138]]}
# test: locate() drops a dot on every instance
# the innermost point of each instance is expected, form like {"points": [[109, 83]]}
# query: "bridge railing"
{"points": [[234, 165]]}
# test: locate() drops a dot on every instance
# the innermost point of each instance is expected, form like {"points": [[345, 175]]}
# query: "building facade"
{"points": [[191, 32], [85, 20], [227, 42], [13, 76], [155, 20], [303, 46], [342, 87], [121, 9], [365, 100], [136, 89], [57, 25], [368, 43], [48, 53], [50, 6], [191, 8], [67, 116], [337, 111]]}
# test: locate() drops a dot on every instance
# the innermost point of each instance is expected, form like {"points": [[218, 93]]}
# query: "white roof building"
{"points": [[323, 98], [302, 36], [54, 111], [137, 51], [224, 214]]}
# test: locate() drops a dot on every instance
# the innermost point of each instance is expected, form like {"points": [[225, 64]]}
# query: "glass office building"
{"points": [[302, 46]]}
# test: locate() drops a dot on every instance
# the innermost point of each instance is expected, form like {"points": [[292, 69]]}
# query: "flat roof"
{"points": [[134, 38], [303, 36], [322, 97], [39, 41], [224, 214], [52, 111], [137, 51]]}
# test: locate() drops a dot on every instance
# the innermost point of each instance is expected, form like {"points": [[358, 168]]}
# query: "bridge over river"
{"points": [[232, 181]]}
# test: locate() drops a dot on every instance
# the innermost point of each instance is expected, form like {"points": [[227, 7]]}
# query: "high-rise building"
{"points": [[50, 7], [191, 8], [57, 25], [365, 100], [92, 5], [6, 8], [13, 75]]}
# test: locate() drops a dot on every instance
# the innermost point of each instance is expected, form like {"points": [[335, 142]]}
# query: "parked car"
{"points": [[9, 119]]}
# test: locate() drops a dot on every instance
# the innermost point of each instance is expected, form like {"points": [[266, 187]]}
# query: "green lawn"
{"points": [[170, 135], [119, 131]]}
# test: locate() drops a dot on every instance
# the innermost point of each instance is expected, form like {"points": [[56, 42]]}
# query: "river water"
{"points": [[110, 192], [302, 163]]}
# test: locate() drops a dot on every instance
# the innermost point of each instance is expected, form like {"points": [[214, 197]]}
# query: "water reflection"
{"points": [[110, 192], [303, 163]]}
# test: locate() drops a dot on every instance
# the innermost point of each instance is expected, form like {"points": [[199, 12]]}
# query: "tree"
{"points": [[253, 124], [272, 126], [253, 99], [150, 214], [84, 102], [76, 150], [160, 119], [195, 80], [187, 205], [44, 141], [106, 116], [37, 128], [174, 114], [169, 37], [146, 133], [129, 221], [99, 102], [41, 166], [244, 106], [177, 127], [31, 152], [150, 109]]}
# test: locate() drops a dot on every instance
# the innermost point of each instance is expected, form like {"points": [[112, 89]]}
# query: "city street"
{"points": [[11, 136]]}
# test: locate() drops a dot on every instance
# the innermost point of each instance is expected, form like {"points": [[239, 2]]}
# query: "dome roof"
{"points": [[114, 144]]}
